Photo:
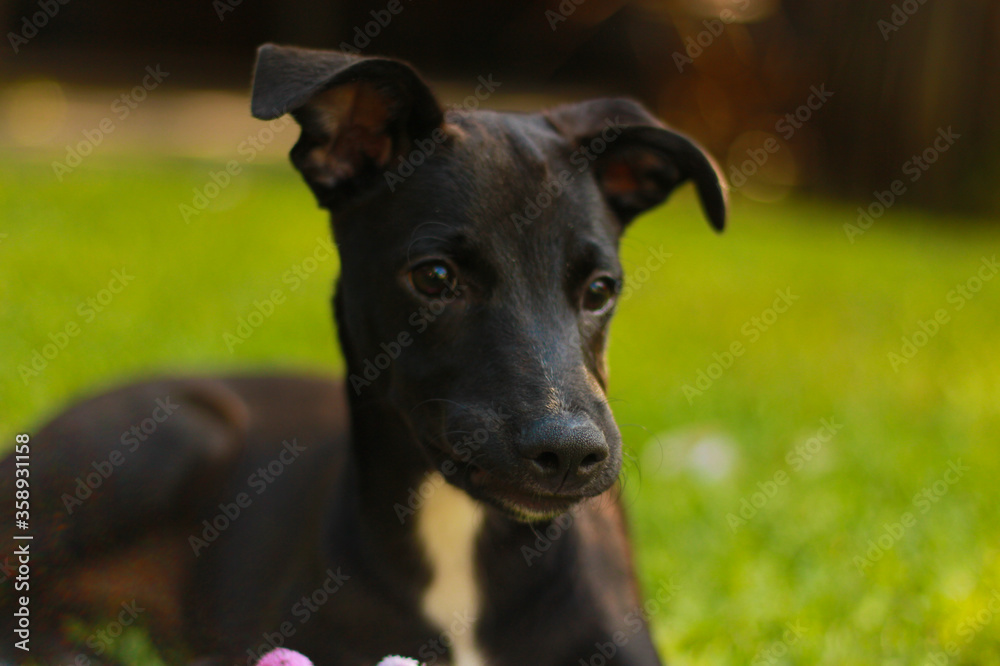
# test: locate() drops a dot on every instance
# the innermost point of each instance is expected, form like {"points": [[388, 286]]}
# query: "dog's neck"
{"points": [[389, 463], [409, 516], [384, 448]]}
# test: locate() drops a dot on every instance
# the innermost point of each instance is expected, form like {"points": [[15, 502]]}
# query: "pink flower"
{"points": [[283, 657]]}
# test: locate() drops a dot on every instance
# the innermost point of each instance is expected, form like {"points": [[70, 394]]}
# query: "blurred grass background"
{"points": [[692, 462]]}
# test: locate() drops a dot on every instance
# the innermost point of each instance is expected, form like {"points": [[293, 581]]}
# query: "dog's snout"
{"points": [[563, 453]]}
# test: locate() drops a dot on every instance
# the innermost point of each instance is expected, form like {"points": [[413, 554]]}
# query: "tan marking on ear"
{"points": [[334, 106], [354, 118], [618, 178]]}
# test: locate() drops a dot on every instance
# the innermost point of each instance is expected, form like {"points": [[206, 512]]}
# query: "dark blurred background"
{"points": [[725, 71]]}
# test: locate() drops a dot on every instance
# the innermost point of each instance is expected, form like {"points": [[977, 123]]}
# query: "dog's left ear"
{"points": [[356, 113], [637, 161]]}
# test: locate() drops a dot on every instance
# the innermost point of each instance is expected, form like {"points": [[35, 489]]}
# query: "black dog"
{"points": [[456, 501]]}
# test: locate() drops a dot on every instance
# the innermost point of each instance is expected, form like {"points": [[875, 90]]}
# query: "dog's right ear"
{"points": [[357, 113], [641, 161]]}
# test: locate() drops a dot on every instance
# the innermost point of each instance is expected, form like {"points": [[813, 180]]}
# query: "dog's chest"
{"points": [[448, 526]]}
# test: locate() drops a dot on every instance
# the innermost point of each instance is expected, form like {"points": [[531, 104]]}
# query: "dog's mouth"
{"points": [[516, 498], [522, 504]]}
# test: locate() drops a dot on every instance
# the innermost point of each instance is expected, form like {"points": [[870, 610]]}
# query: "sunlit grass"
{"points": [[695, 457]]}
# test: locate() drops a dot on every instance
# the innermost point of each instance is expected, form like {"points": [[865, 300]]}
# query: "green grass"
{"points": [[693, 461]]}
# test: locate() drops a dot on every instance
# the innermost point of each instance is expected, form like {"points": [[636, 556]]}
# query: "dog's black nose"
{"points": [[564, 452]]}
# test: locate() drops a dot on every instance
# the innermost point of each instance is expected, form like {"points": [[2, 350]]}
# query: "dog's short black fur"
{"points": [[479, 270]]}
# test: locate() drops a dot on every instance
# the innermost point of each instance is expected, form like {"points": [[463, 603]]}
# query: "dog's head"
{"points": [[479, 262]]}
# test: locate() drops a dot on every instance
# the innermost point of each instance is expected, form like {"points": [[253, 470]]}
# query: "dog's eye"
{"points": [[599, 294], [433, 278]]}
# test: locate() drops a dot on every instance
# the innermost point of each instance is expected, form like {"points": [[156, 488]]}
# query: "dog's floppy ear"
{"points": [[638, 161], [357, 113]]}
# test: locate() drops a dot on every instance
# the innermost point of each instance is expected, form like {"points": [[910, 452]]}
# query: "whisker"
{"points": [[430, 400]]}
